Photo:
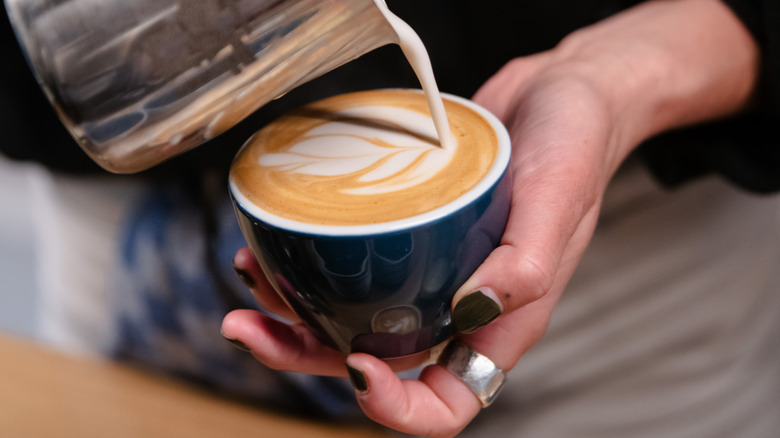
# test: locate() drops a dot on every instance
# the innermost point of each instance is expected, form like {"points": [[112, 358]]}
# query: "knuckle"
{"points": [[534, 278]]}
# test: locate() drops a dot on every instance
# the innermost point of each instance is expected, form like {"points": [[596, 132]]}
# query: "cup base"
{"points": [[415, 360]]}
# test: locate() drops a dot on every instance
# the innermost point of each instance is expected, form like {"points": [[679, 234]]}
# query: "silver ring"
{"points": [[478, 372]]}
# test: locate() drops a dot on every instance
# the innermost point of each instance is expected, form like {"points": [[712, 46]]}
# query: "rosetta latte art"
{"points": [[363, 158], [387, 158]]}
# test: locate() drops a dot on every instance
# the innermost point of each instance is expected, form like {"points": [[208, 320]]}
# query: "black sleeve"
{"points": [[762, 18], [744, 149]]}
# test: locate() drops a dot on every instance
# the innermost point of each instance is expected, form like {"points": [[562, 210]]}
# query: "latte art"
{"points": [[363, 158], [379, 157]]}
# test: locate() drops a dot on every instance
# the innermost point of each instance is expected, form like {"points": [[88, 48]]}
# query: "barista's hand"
{"points": [[574, 114]]}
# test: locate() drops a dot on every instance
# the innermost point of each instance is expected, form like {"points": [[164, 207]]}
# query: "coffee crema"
{"points": [[363, 158]]}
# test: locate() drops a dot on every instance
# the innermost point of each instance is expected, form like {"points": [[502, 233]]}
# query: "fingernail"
{"points": [[357, 378], [475, 310], [236, 343], [245, 277]]}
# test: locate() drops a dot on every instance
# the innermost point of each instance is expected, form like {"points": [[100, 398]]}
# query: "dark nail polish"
{"points": [[357, 378], [245, 277], [474, 311], [238, 344]]}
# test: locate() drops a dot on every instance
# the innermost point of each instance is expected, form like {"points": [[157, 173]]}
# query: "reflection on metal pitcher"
{"points": [[137, 82]]}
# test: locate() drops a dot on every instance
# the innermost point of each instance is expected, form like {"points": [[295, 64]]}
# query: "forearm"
{"points": [[665, 64]]}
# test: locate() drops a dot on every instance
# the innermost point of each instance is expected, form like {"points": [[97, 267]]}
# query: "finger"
{"points": [[559, 175], [531, 263], [440, 404], [525, 326], [436, 405], [248, 270], [282, 346]]}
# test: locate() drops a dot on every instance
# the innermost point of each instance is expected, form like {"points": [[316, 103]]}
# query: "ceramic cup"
{"points": [[383, 289]]}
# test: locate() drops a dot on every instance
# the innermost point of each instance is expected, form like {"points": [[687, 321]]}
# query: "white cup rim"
{"points": [[493, 176]]}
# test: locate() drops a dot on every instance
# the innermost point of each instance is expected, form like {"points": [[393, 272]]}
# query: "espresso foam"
{"points": [[363, 158]]}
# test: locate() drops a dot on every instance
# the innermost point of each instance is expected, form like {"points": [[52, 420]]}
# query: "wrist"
{"points": [[663, 65]]}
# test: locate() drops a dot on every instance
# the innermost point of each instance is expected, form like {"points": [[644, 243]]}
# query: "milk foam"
{"points": [[364, 158], [418, 58], [385, 157]]}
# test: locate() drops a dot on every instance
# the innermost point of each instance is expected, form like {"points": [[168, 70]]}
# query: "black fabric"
{"points": [[29, 128], [746, 149], [468, 41], [762, 18]]}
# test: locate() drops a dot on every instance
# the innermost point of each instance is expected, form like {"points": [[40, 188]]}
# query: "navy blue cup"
{"points": [[383, 289]]}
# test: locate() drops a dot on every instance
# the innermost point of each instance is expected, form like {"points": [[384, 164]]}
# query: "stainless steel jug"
{"points": [[139, 81]]}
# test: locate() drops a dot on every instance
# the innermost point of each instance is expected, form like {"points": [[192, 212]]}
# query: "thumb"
{"points": [[497, 93], [508, 279], [437, 405], [524, 269]]}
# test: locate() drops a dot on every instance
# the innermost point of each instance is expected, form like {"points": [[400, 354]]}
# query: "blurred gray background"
{"points": [[17, 250]]}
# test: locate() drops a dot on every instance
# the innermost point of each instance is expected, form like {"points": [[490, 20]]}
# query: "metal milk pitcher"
{"points": [[139, 81]]}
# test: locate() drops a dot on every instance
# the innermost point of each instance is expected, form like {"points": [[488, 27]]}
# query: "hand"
{"points": [[574, 113], [560, 132]]}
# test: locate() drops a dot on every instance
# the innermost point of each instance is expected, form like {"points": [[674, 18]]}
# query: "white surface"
{"points": [[17, 255], [78, 224]]}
